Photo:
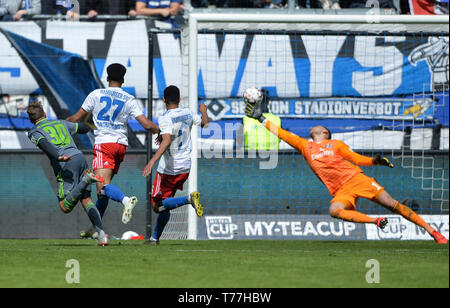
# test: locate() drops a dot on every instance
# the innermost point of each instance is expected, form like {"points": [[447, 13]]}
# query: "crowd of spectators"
{"points": [[13, 10], [402, 6]]}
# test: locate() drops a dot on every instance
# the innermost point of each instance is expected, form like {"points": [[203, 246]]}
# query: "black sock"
{"points": [[94, 216]]}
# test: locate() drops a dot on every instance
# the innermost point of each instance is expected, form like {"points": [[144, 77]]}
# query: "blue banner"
{"points": [[426, 107], [351, 81]]}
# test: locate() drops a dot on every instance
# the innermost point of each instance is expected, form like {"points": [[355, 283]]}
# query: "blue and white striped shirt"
{"points": [[159, 4], [26, 5]]}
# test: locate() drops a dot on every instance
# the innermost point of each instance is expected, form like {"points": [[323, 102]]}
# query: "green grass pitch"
{"points": [[223, 264]]}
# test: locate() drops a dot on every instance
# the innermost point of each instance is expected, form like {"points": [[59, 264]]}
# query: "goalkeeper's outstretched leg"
{"points": [[395, 206], [343, 206]]}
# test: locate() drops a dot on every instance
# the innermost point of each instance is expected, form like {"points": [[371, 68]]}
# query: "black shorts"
{"points": [[70, 175]]}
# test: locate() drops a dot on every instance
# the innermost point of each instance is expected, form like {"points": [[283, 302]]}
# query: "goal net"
{"points": [[379, 83]]}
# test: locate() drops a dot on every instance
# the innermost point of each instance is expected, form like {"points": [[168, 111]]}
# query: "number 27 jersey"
{"points": [[111, 109]]}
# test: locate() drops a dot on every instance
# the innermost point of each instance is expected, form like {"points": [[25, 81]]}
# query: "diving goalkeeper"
{"points": [[337, 167]]}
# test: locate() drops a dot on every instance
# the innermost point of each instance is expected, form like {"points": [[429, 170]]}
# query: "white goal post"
{"points": [[227, 21]]}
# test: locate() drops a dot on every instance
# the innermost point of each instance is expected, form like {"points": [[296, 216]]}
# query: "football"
{"points": [[252, 95]]}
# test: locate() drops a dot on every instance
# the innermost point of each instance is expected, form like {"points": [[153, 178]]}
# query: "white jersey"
{"points": [[111, 109], [178, 123]]}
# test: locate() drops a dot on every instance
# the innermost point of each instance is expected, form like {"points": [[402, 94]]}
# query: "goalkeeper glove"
{"points": [[254, 111], [382, 161]]}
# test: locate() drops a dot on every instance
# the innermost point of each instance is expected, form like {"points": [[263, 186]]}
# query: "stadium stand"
{"points": [[88, 9]]}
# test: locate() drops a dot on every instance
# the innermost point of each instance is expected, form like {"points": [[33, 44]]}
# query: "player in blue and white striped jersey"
{"points": [[111, 109], [174, 155]]}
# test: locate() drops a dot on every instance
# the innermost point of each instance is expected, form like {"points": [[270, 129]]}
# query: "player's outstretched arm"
{"points": [[353, 157], [77, 117], [165, 144], [255, 111], [205, 118], [147, 124], [362, 160]]}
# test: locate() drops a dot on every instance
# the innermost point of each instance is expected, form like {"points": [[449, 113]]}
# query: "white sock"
{"points": [[125, 200]]}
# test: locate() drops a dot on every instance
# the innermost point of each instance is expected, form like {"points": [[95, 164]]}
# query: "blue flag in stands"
{"points": [[66, 79]]}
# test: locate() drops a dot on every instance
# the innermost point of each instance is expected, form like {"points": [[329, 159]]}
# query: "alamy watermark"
{"points": [[73, 274], [214, 147], [373, 274]]}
